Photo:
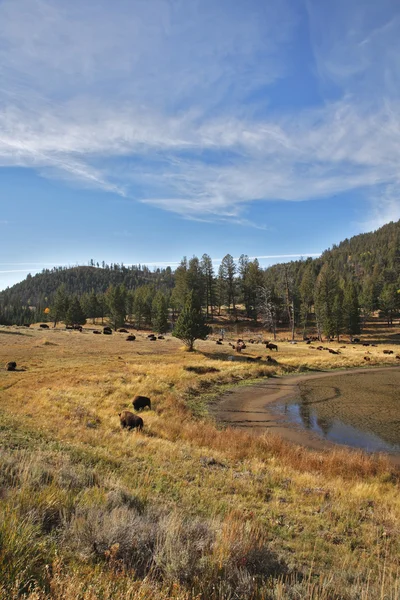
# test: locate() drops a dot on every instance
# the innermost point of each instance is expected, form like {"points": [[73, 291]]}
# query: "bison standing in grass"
{"points": [[11, 366], [271, 346], [130, 421], [140, 402]]}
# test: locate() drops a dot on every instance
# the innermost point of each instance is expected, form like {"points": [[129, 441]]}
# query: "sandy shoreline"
{"points": [[250, 407]]}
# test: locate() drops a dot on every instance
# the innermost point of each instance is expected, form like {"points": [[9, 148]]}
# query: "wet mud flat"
{"points": [[359, 408]]}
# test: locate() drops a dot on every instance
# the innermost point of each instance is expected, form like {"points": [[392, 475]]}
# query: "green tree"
{"points": [[75, 314], [191, 325], [228, 272], [389, 301], [306, 289], [116, 303], [207, 270], [160, 313], [59, 306], [337, 314], [351, 310], [326, 291]]}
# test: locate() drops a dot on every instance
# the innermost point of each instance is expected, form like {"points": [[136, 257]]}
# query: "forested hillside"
{"points": [[335, 292]]}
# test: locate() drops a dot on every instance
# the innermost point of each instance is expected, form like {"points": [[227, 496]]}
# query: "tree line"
{"points": [[333, 294]]}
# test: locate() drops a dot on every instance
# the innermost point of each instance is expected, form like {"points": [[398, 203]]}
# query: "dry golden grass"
{"points": [[234, 516]]}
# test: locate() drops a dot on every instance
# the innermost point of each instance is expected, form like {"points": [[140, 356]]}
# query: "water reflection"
{"points": [[361, 411]]}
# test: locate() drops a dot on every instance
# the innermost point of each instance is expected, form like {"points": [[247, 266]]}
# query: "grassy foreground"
{"points": [[182, 510]]}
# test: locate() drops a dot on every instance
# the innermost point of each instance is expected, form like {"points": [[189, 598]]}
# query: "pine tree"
{"points": [[228, 271], [351, 310], [160, 313], [326, 290], [337, 314], [116, 303], [60, 305], [207, 270], [75, 314], [191, 325]]}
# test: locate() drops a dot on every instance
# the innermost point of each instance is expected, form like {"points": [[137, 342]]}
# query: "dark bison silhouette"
{"points": [[123, 331], [44, 326], [271, 346], [97, 332], [11, 366], [129, 420], [130, 338], [107, 330], [140, 402]]}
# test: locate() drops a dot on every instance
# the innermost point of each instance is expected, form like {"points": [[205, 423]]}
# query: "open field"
{"points": [[182, 510]]}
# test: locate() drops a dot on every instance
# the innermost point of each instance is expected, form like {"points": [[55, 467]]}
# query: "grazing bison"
{"points": [[11, 366], [398, 356], [367, 358], [388, 352], [151, 335], [131, 338], [161, 337], [43, 326], [333, 351], [218, 343], [140, 402], [355, 340], [129, 420], [97, 332], [271, 346], [123, 331], [107, 330]]}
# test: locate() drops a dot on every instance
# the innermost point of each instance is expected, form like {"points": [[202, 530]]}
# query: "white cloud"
{"points": [[148, 100]]}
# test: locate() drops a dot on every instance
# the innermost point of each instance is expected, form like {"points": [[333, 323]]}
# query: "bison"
{"points": [[97, 332], [271, 346], [11, 366], [140, 402], [107, 330], [129, 420], [43, 326], [123, 330], [131, 338], [388, 352]]}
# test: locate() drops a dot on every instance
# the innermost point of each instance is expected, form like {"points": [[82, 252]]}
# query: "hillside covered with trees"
{"points": [[334, 293]]}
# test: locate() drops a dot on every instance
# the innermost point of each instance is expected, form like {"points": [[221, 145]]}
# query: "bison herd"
{"points": [[128, 419]]}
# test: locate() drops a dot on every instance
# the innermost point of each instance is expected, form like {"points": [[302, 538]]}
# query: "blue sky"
{"points": [[139, 131]]}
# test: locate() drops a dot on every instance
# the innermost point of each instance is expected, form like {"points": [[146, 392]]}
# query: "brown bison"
{"points": [[123, 330], [11, 366], [140, 402], [43, 326], [388, 352], [130, 421], [131, 338], [271, 346], [97, 332], [107, 330]]}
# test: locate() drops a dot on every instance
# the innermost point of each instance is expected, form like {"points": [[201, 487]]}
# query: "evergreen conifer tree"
{"points": [[351, 309], [116, 302], [75, 314], [191, 325], [160, 313], [59, 306]]}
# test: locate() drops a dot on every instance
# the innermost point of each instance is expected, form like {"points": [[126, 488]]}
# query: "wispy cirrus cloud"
{"points": [[160, 101]]}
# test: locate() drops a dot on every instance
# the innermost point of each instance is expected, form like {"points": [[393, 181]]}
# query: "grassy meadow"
{"points": [[182, 510]]}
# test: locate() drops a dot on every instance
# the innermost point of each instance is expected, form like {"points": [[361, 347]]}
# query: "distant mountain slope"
{"points": [[41, 287]]}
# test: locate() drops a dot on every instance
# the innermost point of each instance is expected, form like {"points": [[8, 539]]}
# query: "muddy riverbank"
{"points": [[353, 407]]}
